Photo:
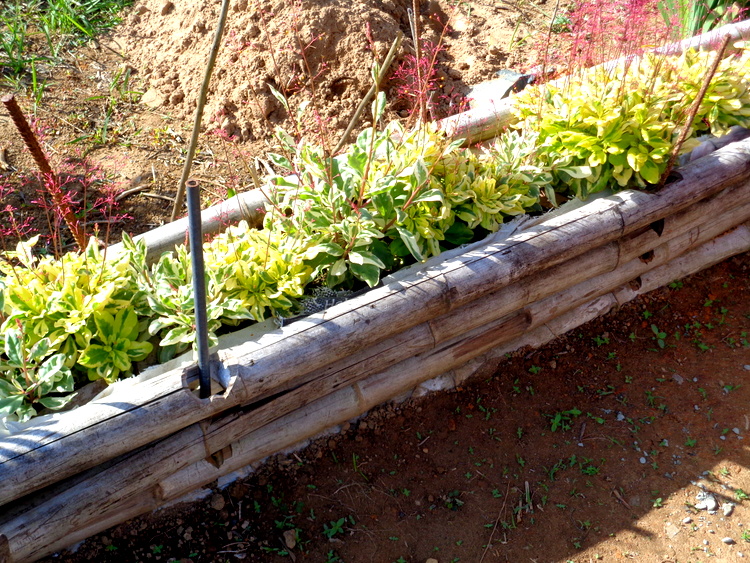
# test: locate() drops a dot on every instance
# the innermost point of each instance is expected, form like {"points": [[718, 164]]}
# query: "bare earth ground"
{"points": [[478, 474], [473, 475], [157, 58]]}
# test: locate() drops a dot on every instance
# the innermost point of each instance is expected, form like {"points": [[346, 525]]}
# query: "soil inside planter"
{"points": [[448, 475]]}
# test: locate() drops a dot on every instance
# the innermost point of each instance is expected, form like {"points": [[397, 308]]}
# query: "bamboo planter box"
{"points": [[71, 475], [148, 441]]}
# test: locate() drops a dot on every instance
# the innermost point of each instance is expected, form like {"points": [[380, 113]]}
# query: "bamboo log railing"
{"points": [[140, 446], [489, 118]]}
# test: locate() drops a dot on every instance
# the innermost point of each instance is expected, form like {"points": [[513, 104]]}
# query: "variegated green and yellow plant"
{"points": [[395, 194], [72, 303], [616, 126]]}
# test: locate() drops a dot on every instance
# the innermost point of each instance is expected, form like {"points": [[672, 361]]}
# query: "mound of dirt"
{"points": [[167, 45]]}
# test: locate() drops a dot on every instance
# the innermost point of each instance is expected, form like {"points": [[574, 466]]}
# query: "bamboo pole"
{"points": [[248, 206], [43, 455], [180, 195]]}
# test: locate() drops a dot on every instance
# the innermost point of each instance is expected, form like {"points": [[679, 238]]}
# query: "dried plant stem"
{"points": [[381, 76], [49, 178], [694, 110], [549, 38], [27, 134], [418, 54], [179, 198], [497, 521]]}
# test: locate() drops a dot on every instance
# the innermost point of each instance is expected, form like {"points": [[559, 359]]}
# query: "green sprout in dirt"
{"points": [[563, 420], [35, 34]]}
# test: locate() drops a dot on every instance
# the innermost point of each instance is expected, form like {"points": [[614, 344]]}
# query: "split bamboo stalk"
{"points": [[316, 343], [137, 477], [598, 261], [464, 320], [179, 198], [248, 206], [704, 256], [729, 244]]}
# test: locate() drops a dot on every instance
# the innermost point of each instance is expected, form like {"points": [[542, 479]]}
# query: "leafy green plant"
{"points": [[70, 301], [13, 39], [334, 527], [395, 194], [251, 275], [616, 125], [115, 346], [452, 500], [30, 377], [62, 23], [348, 206], [699, 16], [659, 335], [562, 420]]}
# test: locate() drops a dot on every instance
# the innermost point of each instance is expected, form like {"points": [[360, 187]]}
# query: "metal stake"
{"points": [[199, 285]]}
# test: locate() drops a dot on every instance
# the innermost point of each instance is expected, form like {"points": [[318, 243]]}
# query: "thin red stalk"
{"points": [[418, 53], [49, 179]]}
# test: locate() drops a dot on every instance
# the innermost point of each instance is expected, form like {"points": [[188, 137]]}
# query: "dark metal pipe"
{"points": [[199, 285]]}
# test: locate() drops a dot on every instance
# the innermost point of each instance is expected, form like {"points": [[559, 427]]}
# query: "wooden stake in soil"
{"points": [[693, 110], [179, 197]]}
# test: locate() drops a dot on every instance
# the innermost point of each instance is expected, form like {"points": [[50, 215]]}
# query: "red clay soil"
{"points": [[592, 448]]}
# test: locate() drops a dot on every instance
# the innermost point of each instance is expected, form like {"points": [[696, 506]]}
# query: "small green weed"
{"points": [[334, 527], [562, 420], [601, 340], [660, 336]]}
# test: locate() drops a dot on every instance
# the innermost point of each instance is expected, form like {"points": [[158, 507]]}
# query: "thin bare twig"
{"points": [[132, 191], [497, 521], [694, 110], [549, 38], [158, 196], [180, 195], [418, 53], [381, 76]]}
